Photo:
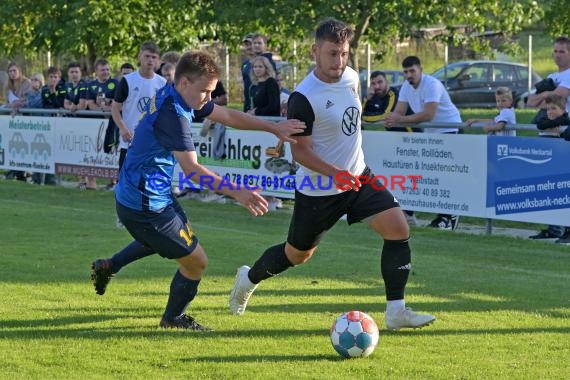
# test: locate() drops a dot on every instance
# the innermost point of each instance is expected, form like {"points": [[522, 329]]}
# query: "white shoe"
{"points": [[241, 292], [407, 318]]}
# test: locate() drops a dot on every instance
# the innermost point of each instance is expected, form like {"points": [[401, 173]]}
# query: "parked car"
{"points": [[472, 84]]}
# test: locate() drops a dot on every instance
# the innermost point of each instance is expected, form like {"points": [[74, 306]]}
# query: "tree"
{"points": [[96, 28], [556, 18], [380, 23]]}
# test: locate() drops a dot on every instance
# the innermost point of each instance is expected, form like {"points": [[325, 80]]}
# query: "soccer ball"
{"points": [[354, 335]]}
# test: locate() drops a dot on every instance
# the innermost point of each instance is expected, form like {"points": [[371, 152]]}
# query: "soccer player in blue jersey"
{"points": [[144, 201]]}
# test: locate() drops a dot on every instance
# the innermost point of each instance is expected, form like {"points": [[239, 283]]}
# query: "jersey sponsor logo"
{"points": [[141, 104], [408, 266], [350, 121], [329, 104]]}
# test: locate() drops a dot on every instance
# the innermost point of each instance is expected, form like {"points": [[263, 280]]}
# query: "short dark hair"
{"points": [[333, 30], [150, 46], [563, 40], [127, 65], [410, 61], [195, 64], [73, 64], [53, 70], [377, 73]]}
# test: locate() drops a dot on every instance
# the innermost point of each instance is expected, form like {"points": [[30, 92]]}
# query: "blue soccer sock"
{"points": [[182, 292], [130, 253], [395, 264]]}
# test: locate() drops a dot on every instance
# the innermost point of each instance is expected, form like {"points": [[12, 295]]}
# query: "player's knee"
{"points": [[296, 256]]}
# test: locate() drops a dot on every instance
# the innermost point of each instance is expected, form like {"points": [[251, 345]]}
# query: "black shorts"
{"points": [[313, 216], [167, 232]]}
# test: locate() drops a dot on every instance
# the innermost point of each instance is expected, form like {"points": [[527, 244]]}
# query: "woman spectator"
{"points": [[266, 100], [18, 86]]}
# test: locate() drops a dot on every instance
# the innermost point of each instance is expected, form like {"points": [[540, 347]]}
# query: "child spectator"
{"points": [[504, 98]]}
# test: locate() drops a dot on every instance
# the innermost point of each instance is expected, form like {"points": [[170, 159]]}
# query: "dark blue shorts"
{"points": [[167, 232]]}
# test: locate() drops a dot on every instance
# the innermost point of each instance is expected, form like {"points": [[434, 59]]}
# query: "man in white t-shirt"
{"points": [[561, 79], [133, 93], [330, 182], [428, 99]]}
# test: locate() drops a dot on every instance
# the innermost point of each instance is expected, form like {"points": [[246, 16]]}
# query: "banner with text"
{"points": [[248, 159], [444, 173], [62, 145], [529, 179], [27, 143]]}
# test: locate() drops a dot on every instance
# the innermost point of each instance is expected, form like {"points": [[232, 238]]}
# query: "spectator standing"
{"points": [[126, 68], [428, 99], [560, 79], [247, 52], [557, 118], [284, 94], [504, 98], [100, 93], [54, 92], [75, 89], [259, 48], [167, 71], [171, 57], [267, 99], [381, 99], [18, 86], [34, 98]]}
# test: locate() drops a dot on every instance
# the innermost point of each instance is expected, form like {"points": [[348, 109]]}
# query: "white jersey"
{"points": [[562, 79], [336, 134], [141, 90], [507, 116], [431, 90]]}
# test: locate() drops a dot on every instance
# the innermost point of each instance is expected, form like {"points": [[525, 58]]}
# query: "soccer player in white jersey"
{"points": [[330, 153], [134, 91]]}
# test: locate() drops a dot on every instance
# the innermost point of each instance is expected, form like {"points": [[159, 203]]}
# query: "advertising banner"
{"points": [[443, 172], [248, 158], [79, 143], [529, 179], [27, 143]]}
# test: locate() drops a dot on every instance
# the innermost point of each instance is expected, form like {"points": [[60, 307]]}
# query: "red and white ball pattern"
{"points": [[354, 334]]}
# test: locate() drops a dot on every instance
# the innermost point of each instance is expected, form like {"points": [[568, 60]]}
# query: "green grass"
{"points": [[502, 304]]}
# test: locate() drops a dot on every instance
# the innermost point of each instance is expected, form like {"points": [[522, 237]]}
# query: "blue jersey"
{"points": [[146, 175], [106, 89], [74, 93]]}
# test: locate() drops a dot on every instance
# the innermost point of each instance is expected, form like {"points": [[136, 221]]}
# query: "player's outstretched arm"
{"points": [[283, 129], [250, 199]]}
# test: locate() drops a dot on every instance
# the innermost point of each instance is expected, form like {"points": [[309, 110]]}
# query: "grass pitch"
{"points": [[503, 304]]}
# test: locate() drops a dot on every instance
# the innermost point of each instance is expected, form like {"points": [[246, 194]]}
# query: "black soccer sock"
{"points": [[271, 263], [395, 265], [182, 292], [130, 253]]}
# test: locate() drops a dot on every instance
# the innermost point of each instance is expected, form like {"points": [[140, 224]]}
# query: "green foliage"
{"points": [[104, 28], [492, 323]]}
